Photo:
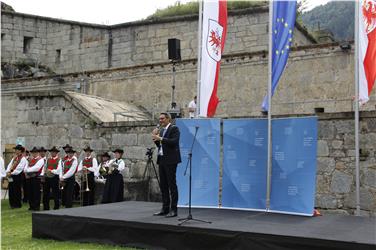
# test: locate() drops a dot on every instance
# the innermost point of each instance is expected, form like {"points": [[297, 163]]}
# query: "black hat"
{"points": [[106, 155], [54, 149], [118, 150], [70, 150], [88, 149], [67, 146], [42, 149], [34, 149], [19, 147]]}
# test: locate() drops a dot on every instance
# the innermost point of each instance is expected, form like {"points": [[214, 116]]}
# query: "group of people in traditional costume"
{"points": [[34, 174]]}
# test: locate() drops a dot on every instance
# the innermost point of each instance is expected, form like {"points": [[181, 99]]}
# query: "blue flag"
{"points": [[284, 14]]}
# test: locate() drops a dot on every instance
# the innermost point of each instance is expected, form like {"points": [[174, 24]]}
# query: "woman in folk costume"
{"points": [[13, 173], [67, 177], [33, 172], [114, 187], [51, 174], [89, 168], [103, 168]]}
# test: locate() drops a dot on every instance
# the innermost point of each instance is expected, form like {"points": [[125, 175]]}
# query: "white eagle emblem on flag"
{"points": [[214, 40], [369, 15]]}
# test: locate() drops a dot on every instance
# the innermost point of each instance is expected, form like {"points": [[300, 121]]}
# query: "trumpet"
{"points": [[86, 180]]}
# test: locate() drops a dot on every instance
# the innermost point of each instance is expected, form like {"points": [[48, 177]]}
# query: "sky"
{"points": [[106, 12]]}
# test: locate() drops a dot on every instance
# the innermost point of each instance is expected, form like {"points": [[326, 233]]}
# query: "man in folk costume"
{"points": [[13, 173], [89, 168], [25, 183], [67, 177], [32, 172], [65, 148], [51, 173], [114, 187]]}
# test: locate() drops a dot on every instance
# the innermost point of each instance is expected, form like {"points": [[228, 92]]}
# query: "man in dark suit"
{"points": [[167, 141]]}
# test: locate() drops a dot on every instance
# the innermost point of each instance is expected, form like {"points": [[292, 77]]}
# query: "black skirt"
{"points": [[113, 189]]}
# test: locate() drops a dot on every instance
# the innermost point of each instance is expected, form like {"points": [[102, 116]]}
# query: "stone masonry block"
{"points": [[124, 139]]}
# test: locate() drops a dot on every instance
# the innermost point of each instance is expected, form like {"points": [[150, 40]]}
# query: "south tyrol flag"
{"points": [[367, 48], [284, 13], [214, 26]]}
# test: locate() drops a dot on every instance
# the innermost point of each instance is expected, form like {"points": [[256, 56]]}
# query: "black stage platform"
{"points": [[131, 223]]}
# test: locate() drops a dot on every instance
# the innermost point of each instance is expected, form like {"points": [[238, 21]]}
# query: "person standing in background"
{"points": [[13, 173], [89, 168], [32, 172], [114, 186], [192, 108], [67, 176], [51, 174]]}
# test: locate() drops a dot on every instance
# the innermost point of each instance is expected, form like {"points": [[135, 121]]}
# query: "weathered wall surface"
{"points": [[47, 120], [86, 47], [315, 77], [335, 183]]}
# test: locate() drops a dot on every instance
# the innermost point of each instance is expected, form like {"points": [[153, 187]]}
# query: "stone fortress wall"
{"points": [[129, 62]]}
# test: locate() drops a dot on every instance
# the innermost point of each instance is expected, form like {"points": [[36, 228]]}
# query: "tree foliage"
{"points": [[190, 8], [337, 17]]}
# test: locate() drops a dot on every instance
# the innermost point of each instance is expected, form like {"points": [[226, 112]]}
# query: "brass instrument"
{"points": [[86, 180], [113, 167], [49, 174]]}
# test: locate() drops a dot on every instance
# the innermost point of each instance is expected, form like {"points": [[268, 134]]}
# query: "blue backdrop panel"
{"points": [[205, 162], [294, 165], [244, 163]]}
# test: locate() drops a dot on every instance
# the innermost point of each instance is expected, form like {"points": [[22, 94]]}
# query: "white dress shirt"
{"points": [[37, 166], [20, 167], [72, 169], [2, 168], [94, 168], [121, 165], [160, 151], [54, 171], [192, 105]]}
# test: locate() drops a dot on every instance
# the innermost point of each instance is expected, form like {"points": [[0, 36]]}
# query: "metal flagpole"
{"points": [[269, 166], [199, 38], [356, 99]]}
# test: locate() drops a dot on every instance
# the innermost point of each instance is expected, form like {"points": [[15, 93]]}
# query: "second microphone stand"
{"points": [[190, 217]]}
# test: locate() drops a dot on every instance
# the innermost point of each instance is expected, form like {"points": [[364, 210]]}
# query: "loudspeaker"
{"points": [[174, 49]]}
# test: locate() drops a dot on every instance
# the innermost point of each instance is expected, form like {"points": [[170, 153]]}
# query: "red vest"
{"points": [[34, 161], [87, 162], [52, 163], [68, 165]]}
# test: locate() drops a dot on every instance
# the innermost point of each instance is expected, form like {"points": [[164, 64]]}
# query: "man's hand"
{"points": [[156, 137], [155, 131]]}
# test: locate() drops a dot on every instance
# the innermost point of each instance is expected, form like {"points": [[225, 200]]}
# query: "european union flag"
{"points": [[284, 14]]}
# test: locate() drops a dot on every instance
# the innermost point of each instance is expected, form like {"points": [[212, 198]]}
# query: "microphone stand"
{"points": [[190, 217]]}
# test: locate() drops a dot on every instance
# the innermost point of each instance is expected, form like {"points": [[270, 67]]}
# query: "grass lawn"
{"points": [[16, 233]]}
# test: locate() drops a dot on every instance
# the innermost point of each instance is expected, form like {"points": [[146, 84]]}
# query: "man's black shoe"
{"points": [[161, 213], [172, 214]]}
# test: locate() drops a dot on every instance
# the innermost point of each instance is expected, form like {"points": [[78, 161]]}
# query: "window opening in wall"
{"points": [[26, 44], [58, 56], [2, 36]]}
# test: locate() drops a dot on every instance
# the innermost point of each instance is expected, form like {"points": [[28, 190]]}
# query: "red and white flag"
{"points": [[367, 48], [214, 26]]}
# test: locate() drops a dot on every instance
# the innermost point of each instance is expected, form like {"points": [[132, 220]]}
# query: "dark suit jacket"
{"points": [[170, 145]]}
